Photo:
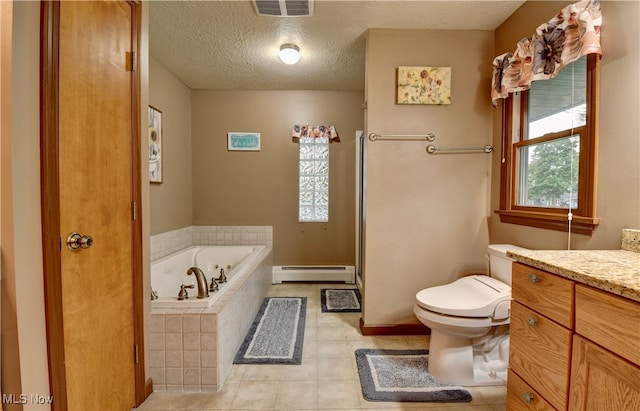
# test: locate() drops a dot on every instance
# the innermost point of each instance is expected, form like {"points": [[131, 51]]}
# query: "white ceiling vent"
{"points": [[284, 8]]}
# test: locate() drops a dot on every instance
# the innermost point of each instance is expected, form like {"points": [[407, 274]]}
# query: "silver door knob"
{"points": [[76, 240]]}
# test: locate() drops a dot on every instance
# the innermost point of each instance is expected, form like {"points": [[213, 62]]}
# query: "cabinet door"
{"points": [[601, 380]]}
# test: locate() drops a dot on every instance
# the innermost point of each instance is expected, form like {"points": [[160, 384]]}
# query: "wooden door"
{"points": [[90, 305]]}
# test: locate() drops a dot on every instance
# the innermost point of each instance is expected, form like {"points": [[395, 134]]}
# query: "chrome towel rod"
{"points": [[402, 137], [431, 149]]}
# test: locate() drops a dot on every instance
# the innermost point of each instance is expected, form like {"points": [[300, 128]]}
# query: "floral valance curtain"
{"points": [[314, 132], [571, 34]]}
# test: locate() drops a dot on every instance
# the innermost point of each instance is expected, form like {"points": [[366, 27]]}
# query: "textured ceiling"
{"points": [[224, 44]]}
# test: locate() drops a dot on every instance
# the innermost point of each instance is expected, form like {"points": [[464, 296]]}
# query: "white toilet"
{"points": [[469, 322]]}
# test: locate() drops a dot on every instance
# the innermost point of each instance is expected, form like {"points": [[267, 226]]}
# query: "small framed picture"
{"points": [[423, 85], [155, 145], [241, 141]]}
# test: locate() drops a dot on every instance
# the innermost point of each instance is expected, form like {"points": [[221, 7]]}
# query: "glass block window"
{"points": [[313, 195]]}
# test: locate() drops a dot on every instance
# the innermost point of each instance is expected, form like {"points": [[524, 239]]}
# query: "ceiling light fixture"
{"points": [[289, 53]]}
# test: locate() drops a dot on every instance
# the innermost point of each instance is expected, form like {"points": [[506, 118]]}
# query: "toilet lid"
{"points": [[473, 296]]}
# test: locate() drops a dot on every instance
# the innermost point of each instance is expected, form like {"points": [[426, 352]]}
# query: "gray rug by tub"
{"points": [[276, 335], [340, 300], [401, 376]]}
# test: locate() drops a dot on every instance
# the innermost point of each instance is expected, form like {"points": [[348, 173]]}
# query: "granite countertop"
{"points": [[615, 271]]}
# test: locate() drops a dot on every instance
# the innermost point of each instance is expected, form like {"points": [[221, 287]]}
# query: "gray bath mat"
{"points": [[276, 335], [340, 300], [401, 376]]}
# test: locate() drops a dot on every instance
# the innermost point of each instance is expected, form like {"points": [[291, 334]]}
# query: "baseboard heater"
{"points": [[319, 273]]}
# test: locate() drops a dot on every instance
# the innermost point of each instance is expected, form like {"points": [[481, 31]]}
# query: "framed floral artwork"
{"points": [[424, 85], [155, 145]]}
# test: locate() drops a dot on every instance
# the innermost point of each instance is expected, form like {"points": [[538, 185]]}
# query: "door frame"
{"points": [[50, 203]]}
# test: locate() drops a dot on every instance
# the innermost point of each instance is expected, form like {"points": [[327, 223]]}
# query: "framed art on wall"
{"points": [[423, 85], [241, 141], [155, 145]]}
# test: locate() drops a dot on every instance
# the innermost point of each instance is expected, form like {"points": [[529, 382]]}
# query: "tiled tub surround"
{"points": [[171, 241], [192, 349]]}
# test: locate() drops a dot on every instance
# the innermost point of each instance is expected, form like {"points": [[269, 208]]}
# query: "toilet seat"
{"points": [[468, 324], [474, 296]]}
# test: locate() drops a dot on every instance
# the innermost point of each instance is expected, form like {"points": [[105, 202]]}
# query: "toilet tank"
{"points": [[499, 263]]}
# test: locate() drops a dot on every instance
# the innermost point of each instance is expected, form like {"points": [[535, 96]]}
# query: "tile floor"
{"points": [[326, 380]]}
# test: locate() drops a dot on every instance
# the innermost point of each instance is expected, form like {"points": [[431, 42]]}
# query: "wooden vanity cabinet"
{"points": [[573, 347]]}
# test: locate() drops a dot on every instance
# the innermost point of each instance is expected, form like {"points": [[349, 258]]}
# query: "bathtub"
{"points": [[168, 273], [192, 343]]}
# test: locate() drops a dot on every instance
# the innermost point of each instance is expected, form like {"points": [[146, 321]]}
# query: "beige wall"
{"points": [[10, 378], [144, 158], [21, 209], [261, 188], [426, 215], [171, 202], [618, 199]]}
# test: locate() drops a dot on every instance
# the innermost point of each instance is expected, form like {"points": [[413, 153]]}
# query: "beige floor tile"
{"points": [[490, 395], [163, 400], [334, 349], [297, 395], [330, 319], [468, 407], [310, 333], [311, 320], [417, 342], [256, 395], [338, 394], [309, 348], [237, 371], [335, 369], [307, 371], [209, 401], [262, 372], [326, 380], [330, 333]]}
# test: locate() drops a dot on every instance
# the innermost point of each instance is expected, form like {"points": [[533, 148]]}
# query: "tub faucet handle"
{"points": [[222, 278], [183, 294], [213, 286]]}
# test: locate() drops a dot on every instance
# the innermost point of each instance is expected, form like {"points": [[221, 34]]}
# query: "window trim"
{"points": [[584, 219]]}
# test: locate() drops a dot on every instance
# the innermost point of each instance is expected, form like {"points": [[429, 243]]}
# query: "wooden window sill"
{"points": [[549, 221]]}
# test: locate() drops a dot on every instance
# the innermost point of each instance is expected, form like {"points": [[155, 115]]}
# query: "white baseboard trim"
{"points": [[345, 273]]}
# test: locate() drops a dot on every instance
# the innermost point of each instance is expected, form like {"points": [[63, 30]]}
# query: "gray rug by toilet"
{"points": [[401, 376], [276, 335], [340, 300]]}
